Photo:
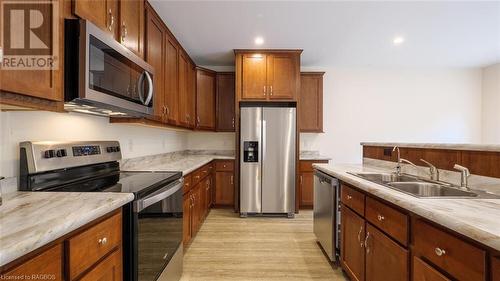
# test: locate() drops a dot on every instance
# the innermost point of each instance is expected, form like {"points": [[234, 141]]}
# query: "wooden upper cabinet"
{"points": [[385, 259], [191, 93], [282, 74], [268, 74], [254, 76], [205, 99], [103, 13], [132, 25], [311, 102], [48, 263], [184, 118], [155, 34], [225, 102], [171, 80], [352, 251]]}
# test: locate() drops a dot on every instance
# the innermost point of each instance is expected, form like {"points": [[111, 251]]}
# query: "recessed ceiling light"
{"points": [[259, 40], [398, 40]]}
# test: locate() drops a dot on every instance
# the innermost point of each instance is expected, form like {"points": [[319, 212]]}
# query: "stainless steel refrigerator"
{"points": [[267, 160]]}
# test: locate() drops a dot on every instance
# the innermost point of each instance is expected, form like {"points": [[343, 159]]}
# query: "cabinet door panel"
{"points": [[281, 71], [93, 11], [110, 269], [495, 265], [424, 272], [254, 77], [306, 189], [183, 90], [205, 100], [311, 103], [225, 102], [385, 259], [191, 95], [171, 80], [155, 57], [186, 218], [224, 188], [132, 25], [49, 262], [352, 251]]}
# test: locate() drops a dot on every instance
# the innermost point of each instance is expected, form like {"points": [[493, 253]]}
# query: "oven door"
{"points": [[158, 222]]}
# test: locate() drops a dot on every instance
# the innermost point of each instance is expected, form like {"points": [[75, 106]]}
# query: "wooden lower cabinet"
{"points": [[352, 244], [187, 205], [422, 271], [110, 269], [495, 271], [385, 259], [224, 189], [93, 252], [48, 264], [306, 183]]}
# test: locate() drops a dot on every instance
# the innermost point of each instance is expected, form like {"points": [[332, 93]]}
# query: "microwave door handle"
{"points": [[150, 88], [158, 196], [140, 87]]}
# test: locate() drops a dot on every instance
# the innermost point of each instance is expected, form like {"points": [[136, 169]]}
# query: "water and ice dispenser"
{"points": [[250, 151]]}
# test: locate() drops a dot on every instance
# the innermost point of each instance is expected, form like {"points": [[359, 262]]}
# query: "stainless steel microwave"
{"points": [[103, 77]]}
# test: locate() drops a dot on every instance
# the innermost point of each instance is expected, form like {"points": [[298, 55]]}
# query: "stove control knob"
{"points": [[50, 153], [117, 149], [109, 149], [61, 153]]}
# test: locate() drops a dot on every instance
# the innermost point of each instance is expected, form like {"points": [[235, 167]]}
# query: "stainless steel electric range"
{"points": [[152, 223]]}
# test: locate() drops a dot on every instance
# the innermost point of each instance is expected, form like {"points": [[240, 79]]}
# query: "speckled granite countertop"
{"points": [[29, 220], [478, 219], [452, 146], [185, 162], [312, 155]]}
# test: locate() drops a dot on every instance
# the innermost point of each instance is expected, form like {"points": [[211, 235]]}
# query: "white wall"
{"points": [[491, 104], [35, 125], [399, 105]]}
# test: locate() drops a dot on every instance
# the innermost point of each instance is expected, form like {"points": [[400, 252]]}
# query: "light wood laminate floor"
{"points": [[231, 248]]}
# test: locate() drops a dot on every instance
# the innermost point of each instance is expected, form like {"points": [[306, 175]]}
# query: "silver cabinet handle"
{"points": [[271, 87], [359, 236], [380, 217], [301, 179], [232, 179], [439, 252], [103, 241], [349, 197], [233, 122], [124, 31], [264, 90], [168, 110], [198, 120], [111, 20], [366, 242]]}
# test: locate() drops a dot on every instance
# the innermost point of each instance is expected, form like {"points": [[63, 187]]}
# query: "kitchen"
{"points": [[251, 146]]}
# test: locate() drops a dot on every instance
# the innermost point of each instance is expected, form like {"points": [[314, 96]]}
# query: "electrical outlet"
{"points": [[388, 152]]}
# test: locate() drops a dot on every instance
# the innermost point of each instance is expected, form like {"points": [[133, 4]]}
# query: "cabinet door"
{"points": [[186, 217], [205, 100], [132, 25], [48, 263], [385, 259], [424, 272], [224, 188], [155, 36], [110, 269], [254, 83], [306, 189], [311, 102], [171, 80], [208, 194], [191, 100], [282, 78], [103, 13], [495, 267], [352, 247], [183, 90], [225, 102]]}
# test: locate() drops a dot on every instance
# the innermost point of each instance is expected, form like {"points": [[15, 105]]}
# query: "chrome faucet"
{"points": [[465, 174], [401, 160], [433, 171]]}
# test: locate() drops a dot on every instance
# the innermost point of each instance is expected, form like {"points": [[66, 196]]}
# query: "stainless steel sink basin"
{"points": [[427, 189], [386, 177]]}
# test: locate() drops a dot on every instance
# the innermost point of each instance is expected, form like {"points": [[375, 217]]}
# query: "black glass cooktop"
{"points": [[141, 183]]}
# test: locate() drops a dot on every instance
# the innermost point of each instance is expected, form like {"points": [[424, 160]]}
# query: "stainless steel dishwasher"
{"points": [[326, 218]]}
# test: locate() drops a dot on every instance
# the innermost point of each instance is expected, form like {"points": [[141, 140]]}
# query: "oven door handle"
{"points": [[158, 196]]}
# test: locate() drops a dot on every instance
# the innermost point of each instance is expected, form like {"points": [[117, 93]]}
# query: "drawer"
{"points": [[205, 170], [109, 269], [306, 165], [353, 199], [197, 176], [388, 219], [424, 272], [187, 183], [86, 248], [460, 259], [224, 166], [49, 263]]}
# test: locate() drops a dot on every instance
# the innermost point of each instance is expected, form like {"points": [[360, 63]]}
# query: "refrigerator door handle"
{"points": [[263, 140]]}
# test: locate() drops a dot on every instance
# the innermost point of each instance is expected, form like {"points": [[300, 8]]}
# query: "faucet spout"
{"points": [[433, 170], [398, 167], [465, 174]]}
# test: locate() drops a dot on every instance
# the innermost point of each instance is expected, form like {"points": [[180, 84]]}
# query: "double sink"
{"points": [[419, 187]]}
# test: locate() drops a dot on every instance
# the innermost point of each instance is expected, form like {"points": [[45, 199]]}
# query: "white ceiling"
{"points": [[444, 34]]}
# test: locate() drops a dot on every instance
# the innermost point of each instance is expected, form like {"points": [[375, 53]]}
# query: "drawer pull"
{"points": [[439, 252], [380, 217], [359, 236], [349, 197], [103, 241], [197, 177], [366, 242]]}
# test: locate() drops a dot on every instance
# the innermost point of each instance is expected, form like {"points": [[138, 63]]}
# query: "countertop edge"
{"points": [[450, 146]]}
